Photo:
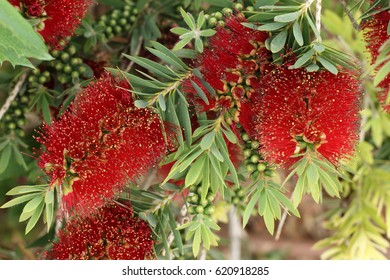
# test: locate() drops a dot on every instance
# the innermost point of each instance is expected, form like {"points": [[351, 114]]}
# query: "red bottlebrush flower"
{"points": [[375, 35], [99, 144], [299, 109], [111, 233], [58, 18], [231, 63]]}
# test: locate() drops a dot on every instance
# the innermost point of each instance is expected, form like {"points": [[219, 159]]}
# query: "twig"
{"points": [[136, 52], [349, 14], [281, 225], [202, 254], [12, 95], [235, 233], [318, 15]]}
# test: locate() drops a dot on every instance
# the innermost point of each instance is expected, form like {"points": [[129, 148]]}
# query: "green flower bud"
{"points": [[199, 209], [261, 166], [255, 144], [58, 66], [42, 80], [123, 21], [65, 57], [250, 168], [247, 152], [245, 137], [72, 50], [218, 15], [67, 69], [76, 61], [209, 210], [18, 112], [255, 158]]}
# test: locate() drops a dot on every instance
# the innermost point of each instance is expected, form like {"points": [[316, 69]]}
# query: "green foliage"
{"points": [[38, 199], [359, 228], [271, 202], [200, 230], [314, 172], [195, 32], [18, 40], [9, 148], [291, 25]]}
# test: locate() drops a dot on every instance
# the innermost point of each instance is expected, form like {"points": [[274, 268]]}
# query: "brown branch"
{"points": [[349, 14], [12, 95]]}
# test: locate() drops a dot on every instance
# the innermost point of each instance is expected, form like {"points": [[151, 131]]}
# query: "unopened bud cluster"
{"points": [[196, 205], [118, 21]]}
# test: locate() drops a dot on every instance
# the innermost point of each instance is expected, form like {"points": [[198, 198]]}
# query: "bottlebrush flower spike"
{"points": [[300, 109], [99, 144], [375, 35], [111, 233], [58, 18], [231, 64]]}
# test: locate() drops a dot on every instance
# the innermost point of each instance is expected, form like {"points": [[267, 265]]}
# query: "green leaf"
{"points": [[49, 197], [299, 190], [230, 135], [154, 67], [328, 65], [27, 189], [312, 68], [200, 21], [18, 40], [182, 43], [199, 45], [249, 208], [304, 58], [196, 242], [312, 26], [312, 174], [188, 18], [210, 224], [289, 17], [195, 171], [216, 152], [269, 220], [269, 26], [25, 216], [49, 213], [318, 47], [207, 32], [279, 41], [168, 56], [45, 109], [34, 218], [18, 156], [33, 203], [141, 104], [382, 73], [19, 200], [207, 140], [179, 30], [298, 33], [327, 182], [161, 102], [5, 157], [200, 92], [260, 3]]}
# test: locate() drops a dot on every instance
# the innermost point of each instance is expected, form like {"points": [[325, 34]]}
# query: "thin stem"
{"points": [[12, 95], [281, 225], [235, 233], [349, 14], [318, 15]]}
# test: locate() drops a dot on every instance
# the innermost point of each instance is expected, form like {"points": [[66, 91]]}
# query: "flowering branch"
{"points": [[13, 95]]}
